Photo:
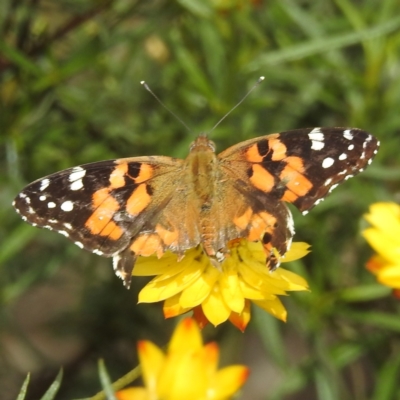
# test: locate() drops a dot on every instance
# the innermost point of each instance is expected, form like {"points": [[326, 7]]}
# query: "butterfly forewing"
{"points": [[100, 205], [302, 166]]}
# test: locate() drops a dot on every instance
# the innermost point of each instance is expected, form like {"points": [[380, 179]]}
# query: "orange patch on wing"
{"points": [[260, 223], [243, 221], [262, 179], [138, 200], [145, 173], [300, 185], [100, 222], [295, 181], [278, 149], [167, 236], [100, 196], [112, 231], [253, 155], [147, 244], [117, 179], [295, 163], [289, 196]]}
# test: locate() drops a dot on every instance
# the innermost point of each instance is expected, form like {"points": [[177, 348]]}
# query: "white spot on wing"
{"points": [[317, 139], [328, 162], [44, 184], [65, 233], [98, 252], [343, 156], [351, 147], [328, 182], [78, 173], [333, 187], [79, 244], [290, 223], [42, 198], [67, 225], [51, 204], [76, 185], [348, 135], [116, 260], [67, 206]]}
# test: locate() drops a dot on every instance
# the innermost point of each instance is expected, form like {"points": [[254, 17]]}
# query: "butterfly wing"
{"points": [[299, 167], [106, 206]]}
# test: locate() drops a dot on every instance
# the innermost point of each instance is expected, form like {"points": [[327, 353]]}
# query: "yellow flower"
{"points": [[187, 371], [384, 237], [219, 294]]}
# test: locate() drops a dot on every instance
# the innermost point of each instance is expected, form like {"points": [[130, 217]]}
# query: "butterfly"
{"points": [[141, 206]]}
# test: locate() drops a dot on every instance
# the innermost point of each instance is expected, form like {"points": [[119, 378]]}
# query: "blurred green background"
{"points": [[70, 93]]}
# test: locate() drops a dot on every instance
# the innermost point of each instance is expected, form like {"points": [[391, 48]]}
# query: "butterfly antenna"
{"points": [[260, 79], [146, 86]]}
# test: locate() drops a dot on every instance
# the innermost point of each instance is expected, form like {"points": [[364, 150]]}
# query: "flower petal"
{"points": [[241, 320], [199, 290], [274, 307], [390, 276], [214, 307], [199, 317], [173, 308], [296, 251], [295, 282], [183, 377], [385, 217], [160, 288], [230, 287], [136, 393], [387, 245], [229, 380], [152, 360], [186, 337]]}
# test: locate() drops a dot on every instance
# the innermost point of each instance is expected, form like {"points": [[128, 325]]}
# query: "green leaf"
{"points": [[323, 44], [53, 389], [200, 8], [22, 392], [364, 293], [379, 319], [105, 380], [19, 58], [388, 380]]}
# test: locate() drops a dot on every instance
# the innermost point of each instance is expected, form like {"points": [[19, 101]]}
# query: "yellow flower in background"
{"points": [[187, 371], [219, 294], [384, 237]]}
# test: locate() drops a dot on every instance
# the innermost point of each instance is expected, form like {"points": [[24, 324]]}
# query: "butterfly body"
{"points": [[141, 206]]}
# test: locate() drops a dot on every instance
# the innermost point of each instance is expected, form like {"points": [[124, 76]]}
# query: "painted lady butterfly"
{"points": [[146, 205]]}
